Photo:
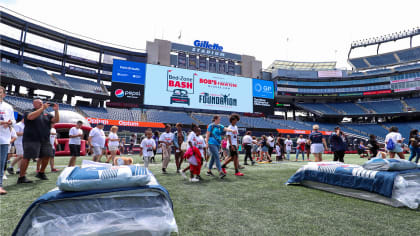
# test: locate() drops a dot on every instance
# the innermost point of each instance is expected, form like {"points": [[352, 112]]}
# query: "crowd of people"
{"points": [[35, 138]]}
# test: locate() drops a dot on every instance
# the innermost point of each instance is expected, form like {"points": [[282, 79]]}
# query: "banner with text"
{"points": [[175, 87]]}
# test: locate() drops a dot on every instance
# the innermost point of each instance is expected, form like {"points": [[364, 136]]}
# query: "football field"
{"points": [[258, 203]]}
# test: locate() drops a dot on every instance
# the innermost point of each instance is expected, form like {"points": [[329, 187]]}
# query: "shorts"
{"points": [[317, 148], [113, 148], [19, 149], [74, 150], [397, 148], [37, 149], [264, 149], [97, 150], [233, 153]]}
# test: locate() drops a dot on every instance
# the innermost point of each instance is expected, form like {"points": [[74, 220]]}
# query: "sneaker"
{"points": [[194, 180], [55, 170], [222, 175], [177, 171], [253, 163], [224, 170], [41, 176], [245, 164], [18, 172], [4, 177], [239, 174], [24, 180], [183, 175], [209, 174], [10, 171], [199, 177], [164, 171]]}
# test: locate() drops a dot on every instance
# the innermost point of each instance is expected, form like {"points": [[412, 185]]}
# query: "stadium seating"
{"points": [[384, 107], [16, 70], [39, 76], [348, 108], [80, 84], [408, 55], [168, 117], [413, 103], [95, 112], [20, 103], [317, 108]]}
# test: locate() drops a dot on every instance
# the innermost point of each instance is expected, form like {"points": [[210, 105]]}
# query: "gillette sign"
{"points": [[207, 45]]}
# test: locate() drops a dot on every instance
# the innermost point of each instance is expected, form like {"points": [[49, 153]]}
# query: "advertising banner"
{"points": [[377, 92], [128, 72], [330, 74], [92, 120], [262, 88], [295, 131], [175, 87], [264, 105], [127, 93]]}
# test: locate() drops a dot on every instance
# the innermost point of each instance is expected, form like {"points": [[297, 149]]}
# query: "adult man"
{"points": [[36, 138], [247, 143], [96, 141], [19, 127], [271, 141], [338, 144], [166, 141], [75, 135], [7, 119]]}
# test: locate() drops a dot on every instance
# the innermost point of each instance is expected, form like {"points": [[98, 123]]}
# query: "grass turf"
{"points": [[256, 204]]}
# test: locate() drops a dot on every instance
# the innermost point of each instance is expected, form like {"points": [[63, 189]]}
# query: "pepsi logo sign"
{"points": [[119, 93]]}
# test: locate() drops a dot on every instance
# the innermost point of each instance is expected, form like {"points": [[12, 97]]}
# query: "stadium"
{"points": [[173, 83]]}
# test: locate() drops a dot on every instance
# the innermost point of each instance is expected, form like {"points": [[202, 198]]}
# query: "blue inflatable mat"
{"points": [[97, 178]]}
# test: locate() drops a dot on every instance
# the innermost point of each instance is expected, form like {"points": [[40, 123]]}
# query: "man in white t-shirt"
{"points": [[247, 144], [288, 143], [7, 120], [75, 139], [19, 127], [54, 142], [166, 142], [147, 146], [97, 141], [232, 144]]}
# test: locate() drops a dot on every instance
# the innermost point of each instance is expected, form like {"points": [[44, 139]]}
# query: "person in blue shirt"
{"points": [[318, 143], [213, 140], [338, 144]]}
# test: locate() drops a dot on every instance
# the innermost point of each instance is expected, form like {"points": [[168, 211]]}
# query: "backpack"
{"points": [[390, 145]]}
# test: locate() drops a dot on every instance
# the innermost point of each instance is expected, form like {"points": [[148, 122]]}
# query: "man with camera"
{"points": [[36, 138], [338, 144]]}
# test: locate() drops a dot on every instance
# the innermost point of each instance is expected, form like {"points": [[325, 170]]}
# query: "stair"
{"points": [[369, 111], [363, 108], [80, 111], [196, 120], [336, 110], [406, 107]]}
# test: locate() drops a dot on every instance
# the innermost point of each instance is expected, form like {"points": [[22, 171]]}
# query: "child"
{"points": [[288, 143], [193, 156], [232, 145], [147, 146], [278, 152], [196, 140]]}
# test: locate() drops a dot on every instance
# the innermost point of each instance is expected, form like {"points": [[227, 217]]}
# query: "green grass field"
{"points": [[256, 204]]}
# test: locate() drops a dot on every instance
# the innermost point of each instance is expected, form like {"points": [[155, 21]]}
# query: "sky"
{"points": [[294, 30]]}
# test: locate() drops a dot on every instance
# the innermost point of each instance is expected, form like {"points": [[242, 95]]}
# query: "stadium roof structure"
{"points": [[293, 65]]}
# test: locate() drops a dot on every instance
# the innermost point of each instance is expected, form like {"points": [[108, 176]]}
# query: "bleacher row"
{"points": [[136, 114], [363, 108], [387, 59], [55, 80]]}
